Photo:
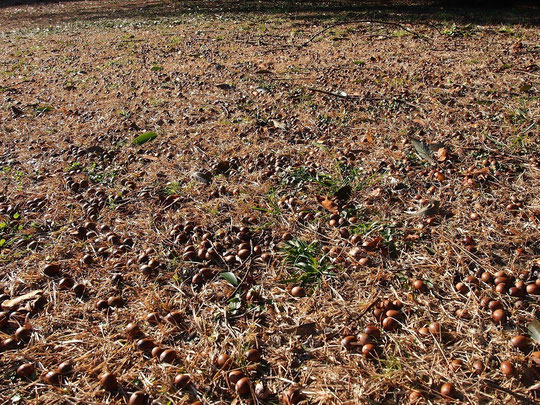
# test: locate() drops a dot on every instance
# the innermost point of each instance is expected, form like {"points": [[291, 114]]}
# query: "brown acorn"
{"points": [[108, 382]]}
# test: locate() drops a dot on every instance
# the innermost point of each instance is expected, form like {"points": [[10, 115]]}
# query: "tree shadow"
{"points": [[508, 12]]}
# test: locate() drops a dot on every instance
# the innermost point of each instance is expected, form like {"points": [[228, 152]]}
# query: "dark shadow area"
{"points": [[526, 12], [10, 3]]}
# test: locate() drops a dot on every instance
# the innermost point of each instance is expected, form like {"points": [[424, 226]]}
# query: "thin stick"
{"points": [[360, 22]]}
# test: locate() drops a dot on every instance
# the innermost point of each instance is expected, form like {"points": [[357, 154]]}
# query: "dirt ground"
{"points": [[335, 203]]}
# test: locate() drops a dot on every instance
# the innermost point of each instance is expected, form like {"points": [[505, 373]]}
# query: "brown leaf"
{"points": [[376, 193], [442, 154], [327, 203], [372, 244], [368, 138], [14, 303], [478, 172]]}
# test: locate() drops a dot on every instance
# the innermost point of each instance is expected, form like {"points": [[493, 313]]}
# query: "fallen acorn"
{"points": [[292, 396], [108, 381]]}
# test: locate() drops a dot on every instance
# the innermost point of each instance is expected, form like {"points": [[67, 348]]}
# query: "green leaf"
{"points": [[2, 242], [156, 68], [16, 215], [147, 136], [44, 109], [231, 278]]}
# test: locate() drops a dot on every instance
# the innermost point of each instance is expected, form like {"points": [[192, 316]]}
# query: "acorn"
{"points": [[102, 305], [66, 283], [419, 285], [139, 398], [448, 390], [145, 345], [520, 342], [224, 361], [168, 356], [372, 330], [243, 386], [507, 368], [298, 292], [478, 367], [25, 370], [23, 333], [369, 350], [53, 378], [51, 270], [456, 365], [498, 316], [108, 382], [115, 301], [8, 344], [133, 331], [435, 329], [79, 289], [181, 381], [65, 368], [153, 318], [253, 355], [235, 375], [389, 324], [292, 396], [157, 351], [175, 317]]}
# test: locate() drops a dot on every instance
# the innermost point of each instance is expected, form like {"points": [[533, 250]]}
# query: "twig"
{"points": [[365, 311], [330, 93], [360, 22], [517, 396]]}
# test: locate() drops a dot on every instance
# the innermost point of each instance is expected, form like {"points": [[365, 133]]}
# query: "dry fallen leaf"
{"points": [[14, 303], [483, 170], [429, 210], [327, 203], [442, 154], [368, 138], [534, 330], [422, 148]]}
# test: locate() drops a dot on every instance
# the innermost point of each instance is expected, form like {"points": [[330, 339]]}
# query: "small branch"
{"points": [[393, 24], [520, 398]]}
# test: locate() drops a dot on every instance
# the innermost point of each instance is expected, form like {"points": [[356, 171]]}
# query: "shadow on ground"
{"points": [[526, 12]]}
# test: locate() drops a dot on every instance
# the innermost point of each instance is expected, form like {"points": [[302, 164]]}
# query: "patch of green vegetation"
{"points": [[10, 230], [271, 203], [506, 30], [454, 30], [173, 188], [400, 33], [307, 261]]}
